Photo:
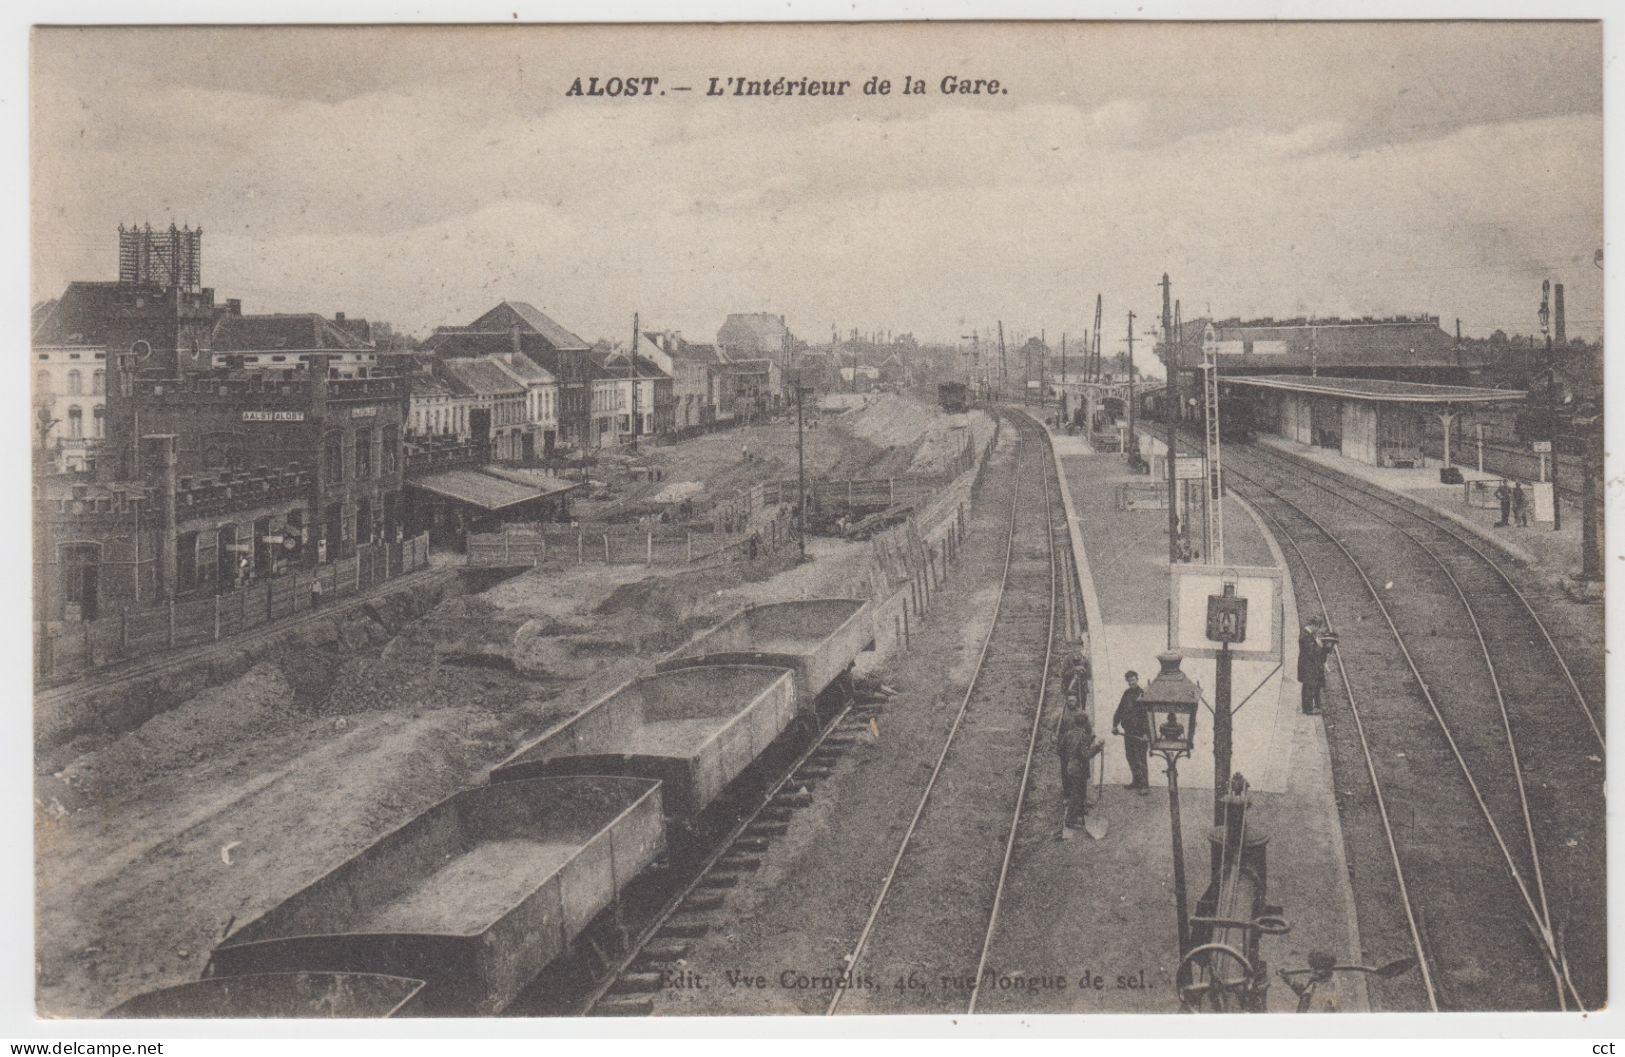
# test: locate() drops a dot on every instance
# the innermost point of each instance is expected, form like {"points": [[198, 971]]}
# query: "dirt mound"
{"points": [[229, 714]]}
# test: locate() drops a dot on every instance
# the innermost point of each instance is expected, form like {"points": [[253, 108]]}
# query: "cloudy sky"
{"points": [[420, 175]]}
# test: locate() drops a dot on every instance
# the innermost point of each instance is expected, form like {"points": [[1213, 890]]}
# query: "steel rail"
{"points": [[1370, 766], [1543, 927], [672, 905], [859, 947], [1032, 744], [1315, 471], [1560, 977]]}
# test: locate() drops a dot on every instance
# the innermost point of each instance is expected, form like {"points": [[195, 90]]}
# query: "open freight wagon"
{"points": [[817, 638], [473, 897], [693, 729]]}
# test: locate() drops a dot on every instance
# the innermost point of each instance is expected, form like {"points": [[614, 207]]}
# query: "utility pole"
{"points": [[1131, 445], [1004, 364], [1551, 401], [635, 383], [1171, 399], [1062, 386], [801, 472]]}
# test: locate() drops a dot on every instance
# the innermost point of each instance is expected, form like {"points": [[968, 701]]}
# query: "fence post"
{"points": [[358, 572], [891, 489], [606, 548], [581, 553], [171, 623], [124, 629], [504, 547], [688, 545], [270, 611], [242, 607], [217, 618]]}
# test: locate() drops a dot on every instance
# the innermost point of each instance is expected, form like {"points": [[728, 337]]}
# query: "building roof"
{"points": [[619, 365], [1325, 343], [1380, 390], [424, 384], [84, 312], [522, 369], [529, 319], [479, 489], [283, 332], [764, 330], [482, 378]]}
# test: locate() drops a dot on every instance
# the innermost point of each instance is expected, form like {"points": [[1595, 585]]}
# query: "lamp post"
{"points": [[1551, 398], [1170, 703]]}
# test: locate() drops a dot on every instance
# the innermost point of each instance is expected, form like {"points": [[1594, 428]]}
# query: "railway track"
{"points": [[924, 945], [655, 953], [1482, 751]]}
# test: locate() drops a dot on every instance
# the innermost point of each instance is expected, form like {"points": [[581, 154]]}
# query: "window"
{"points": [[42, 382], [76, 422], [99, 415], [392, 442], [333, 456], [75, 383], [363, 456], [98, 382]]}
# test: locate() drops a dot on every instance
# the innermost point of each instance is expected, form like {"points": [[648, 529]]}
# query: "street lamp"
{"points": [[1170, 703]]}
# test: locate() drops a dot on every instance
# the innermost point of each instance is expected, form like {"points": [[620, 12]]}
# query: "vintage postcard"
{"points": [[738, 520]]}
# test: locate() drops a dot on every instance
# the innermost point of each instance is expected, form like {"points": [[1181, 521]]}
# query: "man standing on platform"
{"points": [[1504, 494], [1312, 649], [1129, 721]]}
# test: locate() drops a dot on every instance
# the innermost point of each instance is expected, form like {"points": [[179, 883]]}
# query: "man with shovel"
{"points": [[1078, 747]]}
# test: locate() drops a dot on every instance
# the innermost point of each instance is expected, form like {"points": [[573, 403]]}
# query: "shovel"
{"points": [[1094, 825]]}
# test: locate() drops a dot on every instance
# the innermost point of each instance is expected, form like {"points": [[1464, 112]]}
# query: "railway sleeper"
{"points": [[636, 983], [763, 830], [701, 903], [719, 881], [750, 843], [666, 950], [624, 1006], [687, 929], [740, 862]]}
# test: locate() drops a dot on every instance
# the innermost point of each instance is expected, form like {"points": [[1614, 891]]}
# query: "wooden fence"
{"points": [[518, 546], [67, 649]]}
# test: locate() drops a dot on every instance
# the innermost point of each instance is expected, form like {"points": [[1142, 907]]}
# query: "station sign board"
{"points": [[273, 416], [1189, 468], [1541, 447], [370, 411], [1193, 585]]}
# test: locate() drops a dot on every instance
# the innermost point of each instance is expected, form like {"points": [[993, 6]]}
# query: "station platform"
{"points": [[1108, 905], [1555, 554]]}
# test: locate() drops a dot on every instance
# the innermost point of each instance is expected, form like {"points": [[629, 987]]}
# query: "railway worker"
{"points": [[1520, 505], [1129, 721], [1312, 650], [1504, 494], [1078, 747], [1076, 675]]}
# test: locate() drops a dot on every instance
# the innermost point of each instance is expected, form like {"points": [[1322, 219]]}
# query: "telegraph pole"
{"points": [[1131, 444], [1551, 401], [1004, 364], [635, 383], [801, 473], [1062, 386], [1171, 398]]}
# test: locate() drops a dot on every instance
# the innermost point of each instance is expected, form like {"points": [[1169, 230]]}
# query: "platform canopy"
{"points": [[484, 490], [1378, 390]]}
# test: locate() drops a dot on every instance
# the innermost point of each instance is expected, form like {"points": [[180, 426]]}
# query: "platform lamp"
{"points": [[1545, 316], [1170, 703]]}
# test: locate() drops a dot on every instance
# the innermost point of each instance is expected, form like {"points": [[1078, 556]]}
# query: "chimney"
{"points": [[513, 333], [338, 317], [1560, 332]]}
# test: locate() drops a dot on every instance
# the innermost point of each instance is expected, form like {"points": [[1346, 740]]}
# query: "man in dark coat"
{"points": [[1520, 506], [1312, 650], [1075, 678], [1077, 746], [1129, 721], [1504, 494]]}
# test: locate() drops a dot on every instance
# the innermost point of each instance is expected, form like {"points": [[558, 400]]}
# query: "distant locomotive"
{"points": [[1243, 415], [954, 397]]}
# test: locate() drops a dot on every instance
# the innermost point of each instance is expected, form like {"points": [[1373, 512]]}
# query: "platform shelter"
{"points": [[1376, 421]]}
